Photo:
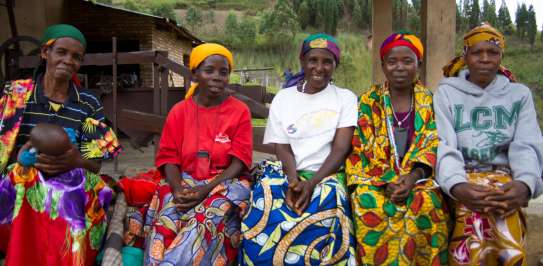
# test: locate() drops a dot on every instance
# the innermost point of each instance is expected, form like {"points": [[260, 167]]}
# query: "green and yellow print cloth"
{"points": [[411, 233]]}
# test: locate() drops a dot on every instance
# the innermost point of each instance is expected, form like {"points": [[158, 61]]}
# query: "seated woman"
{"points": [[205, 149], [490, 155], [299, 209], [399, 212], [61, 198]]}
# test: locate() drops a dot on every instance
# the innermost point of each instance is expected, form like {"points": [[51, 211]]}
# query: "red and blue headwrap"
{"points": [[321, 41], [402, 39]]}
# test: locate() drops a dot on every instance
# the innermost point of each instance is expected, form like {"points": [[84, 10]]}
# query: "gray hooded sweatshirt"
{"points": [[479, 127]]}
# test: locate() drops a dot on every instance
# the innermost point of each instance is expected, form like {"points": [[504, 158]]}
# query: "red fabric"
{"points": [[397, 43], [139, 190], [4, 237], [224, 131], [41, 238]]}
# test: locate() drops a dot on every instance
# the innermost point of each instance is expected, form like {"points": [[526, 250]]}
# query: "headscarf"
{"points": [[57, 31], [54, 32], [482, 33], [402, 38], [200, 53], [314, 41]]}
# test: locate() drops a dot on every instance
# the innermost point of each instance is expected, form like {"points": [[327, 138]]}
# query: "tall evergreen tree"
{"points": [[357, 15], [489, 12], [328, 14], [459, 16], [504, 23], [531, 26], [521, 20], [475, 14]]}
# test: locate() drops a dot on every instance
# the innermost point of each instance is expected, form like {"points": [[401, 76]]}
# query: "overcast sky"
{"points": [[538, 6]]}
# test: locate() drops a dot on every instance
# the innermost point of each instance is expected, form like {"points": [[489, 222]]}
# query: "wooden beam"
{"points": [[438, 34], [156, 89], [100, 59], [164, 90], [173, 66], [381, 28], [136, 120]]}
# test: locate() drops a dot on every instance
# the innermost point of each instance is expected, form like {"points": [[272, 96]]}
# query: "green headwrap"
{"points": [[57, 31]]}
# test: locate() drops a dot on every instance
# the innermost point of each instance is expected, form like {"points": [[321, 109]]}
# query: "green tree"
{"points": [[459, 18], [304, 14], [474, 17], [489, 12], [357, 14], [279, 24], [328, 13], [231, 29], [163, 9], [133, 5], [361, 14], [246, 32], [531, 26], [194, 18], [521, 20], [210, 16], [504, 22]]}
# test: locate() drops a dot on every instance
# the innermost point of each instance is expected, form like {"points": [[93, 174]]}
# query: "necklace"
{"points": [[400, 122], [303, 86]]}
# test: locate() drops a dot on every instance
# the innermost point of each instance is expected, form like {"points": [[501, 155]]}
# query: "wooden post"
{"points": [[164, 88], [438, 34], [156, 98], [381, 28], [114, 91]]}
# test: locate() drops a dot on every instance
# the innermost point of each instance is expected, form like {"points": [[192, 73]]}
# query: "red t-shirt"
{"points": [[222, 131]]}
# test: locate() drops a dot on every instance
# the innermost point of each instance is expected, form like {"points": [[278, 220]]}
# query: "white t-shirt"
{"points": [[308, 122]]}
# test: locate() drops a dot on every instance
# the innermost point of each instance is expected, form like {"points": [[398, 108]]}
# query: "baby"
{"points": [[49, 139]]}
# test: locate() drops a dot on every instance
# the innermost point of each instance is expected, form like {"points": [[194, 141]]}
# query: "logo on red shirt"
{"points": [[222, 138]]}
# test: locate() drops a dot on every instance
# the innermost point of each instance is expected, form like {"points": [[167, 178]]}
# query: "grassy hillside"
{"points": [[353, 72]]}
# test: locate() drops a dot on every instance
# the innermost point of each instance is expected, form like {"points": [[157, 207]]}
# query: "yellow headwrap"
{"points": [[482, 33], [200, 53]]}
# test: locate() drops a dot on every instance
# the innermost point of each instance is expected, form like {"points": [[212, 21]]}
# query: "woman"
{"points": [[399, 213], [61, 198], [299, 211], [491, 152], [205, 149]]}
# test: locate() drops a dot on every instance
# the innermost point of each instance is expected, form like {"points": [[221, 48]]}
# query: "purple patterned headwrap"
{"points": [[315, 41], [322, 41]]}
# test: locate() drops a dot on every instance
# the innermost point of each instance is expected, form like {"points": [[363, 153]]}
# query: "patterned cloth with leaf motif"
{"points": [[273, 234], [483, 239], [415, 232], [24, 105], [60, 220]]}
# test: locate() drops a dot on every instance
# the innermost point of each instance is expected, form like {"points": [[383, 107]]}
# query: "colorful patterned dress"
{"points": [[273, 234], [208, 234], [59, 220], [55, 221], [411, 233], [480, 239]]}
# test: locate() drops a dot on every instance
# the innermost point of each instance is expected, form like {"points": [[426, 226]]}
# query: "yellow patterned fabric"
{"points": [[482, 33], [411, 233], [372, 160], [480, 239]]}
